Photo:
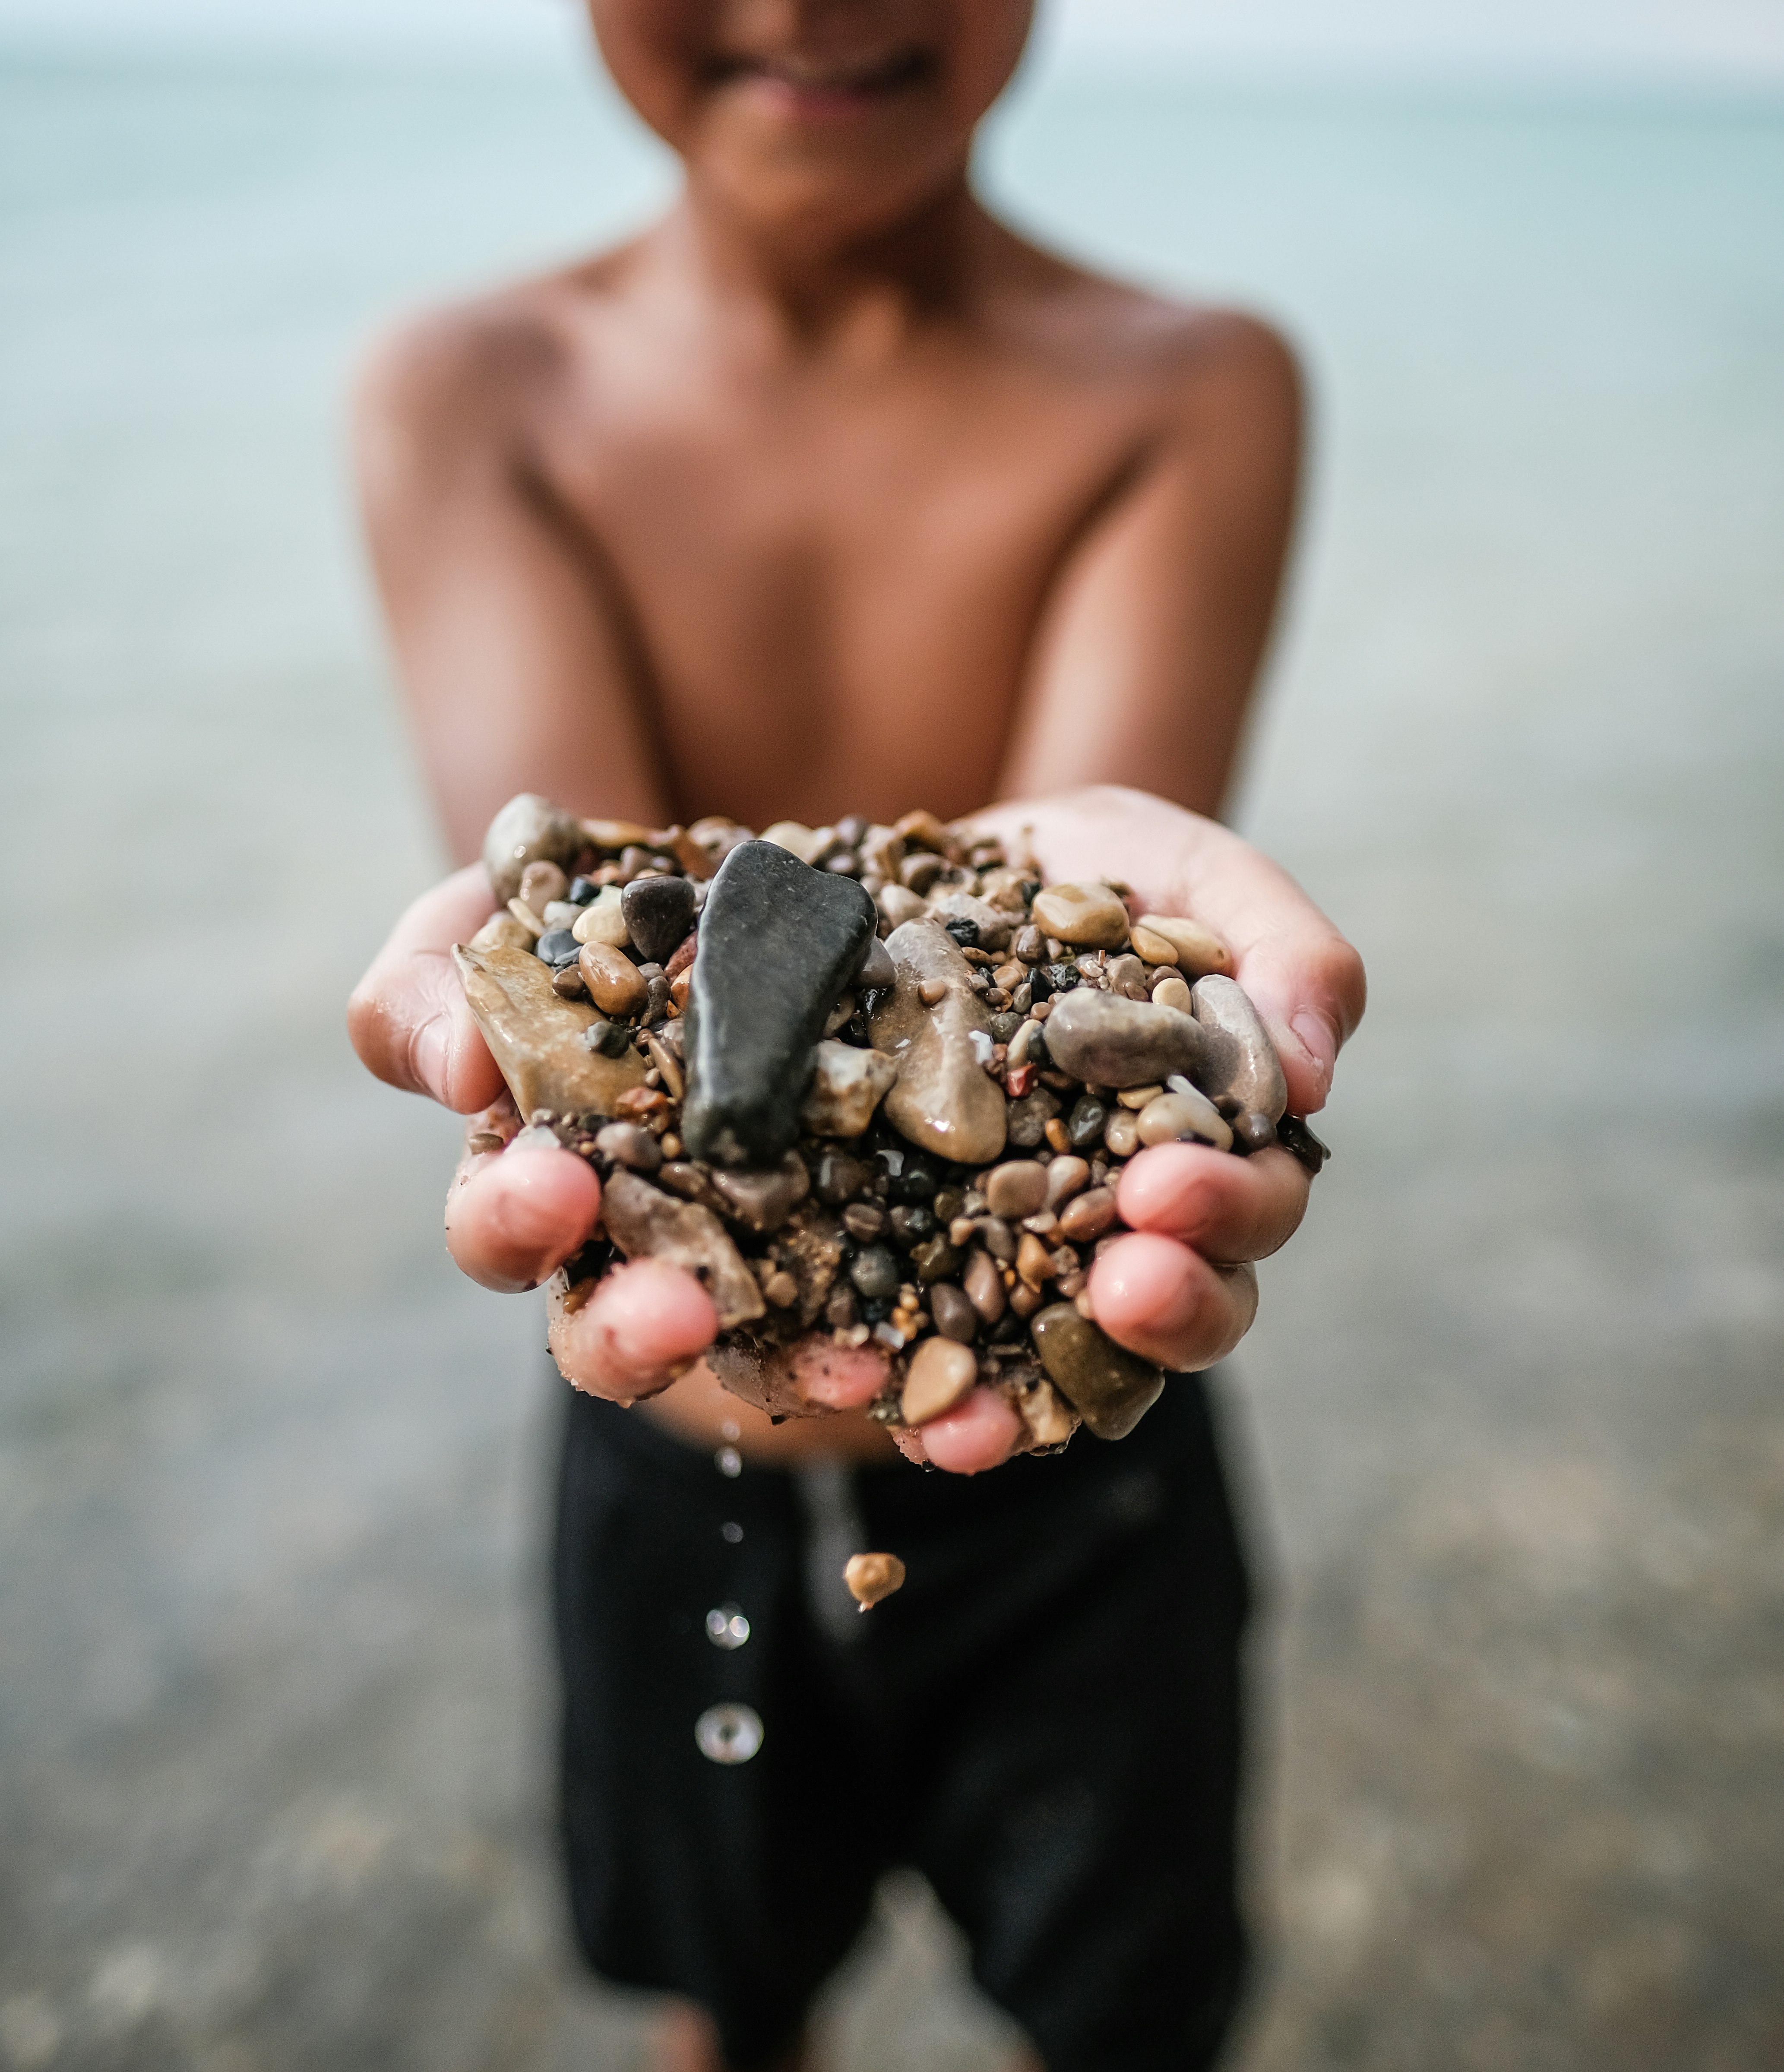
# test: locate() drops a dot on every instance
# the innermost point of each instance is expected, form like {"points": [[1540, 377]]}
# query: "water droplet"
{"points": [[728, 1733], [731, 1430], [732, 1530], [726, 1626], [729, 1461]]}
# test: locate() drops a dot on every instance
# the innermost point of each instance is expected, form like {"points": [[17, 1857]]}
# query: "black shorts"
{"points": [[1044, 1722]]}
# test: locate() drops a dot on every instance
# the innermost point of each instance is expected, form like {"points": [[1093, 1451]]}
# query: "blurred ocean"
{"points": [[273, 1728]]}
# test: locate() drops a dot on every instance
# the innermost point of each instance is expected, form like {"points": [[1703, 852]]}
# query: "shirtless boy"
{"points": [[829, 494]]}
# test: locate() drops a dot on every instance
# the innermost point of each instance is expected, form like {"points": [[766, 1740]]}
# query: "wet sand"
{"points": [[273, 1711]]}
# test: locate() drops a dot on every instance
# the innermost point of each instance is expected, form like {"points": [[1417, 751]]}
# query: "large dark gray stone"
{"points": [[779, 944]]}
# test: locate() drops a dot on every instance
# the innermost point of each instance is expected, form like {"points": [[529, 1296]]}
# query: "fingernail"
{"points": [[432, 1054], [1319, 1040]]}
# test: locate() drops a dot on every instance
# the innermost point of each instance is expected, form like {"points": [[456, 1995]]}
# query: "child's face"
{"points": [[815, 117]]}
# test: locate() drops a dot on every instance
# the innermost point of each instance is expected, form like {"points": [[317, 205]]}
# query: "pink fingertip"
{"points": [[646, 1324], [980, 1433], [836, 1377]]}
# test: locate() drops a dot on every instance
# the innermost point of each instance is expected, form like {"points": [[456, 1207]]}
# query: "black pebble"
{"points": [[659, 913], [557, 946], [778, 942], [875, 1312], [875, 1276], [1004, 1027], [917, 1183], [582, 892], [1084, 1124], [1064, 977], [1040, 986], [911, 1225], [608, 1039], [965, 933]]}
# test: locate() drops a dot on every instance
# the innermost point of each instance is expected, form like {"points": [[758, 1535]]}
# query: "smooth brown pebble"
{"points": [[614, 982], [1122, 1136], [1066, 1176], [1087, 1217], [1087, 916], [628, 1145], [1016, 1190], [942, 1371], [1172, 990], [955, 1315], [1034, 1261], [1199, 950], [872, 1576], [984, 1287]]}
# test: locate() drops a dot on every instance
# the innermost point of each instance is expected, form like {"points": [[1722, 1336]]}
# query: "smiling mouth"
{"points": [[822, 85]]}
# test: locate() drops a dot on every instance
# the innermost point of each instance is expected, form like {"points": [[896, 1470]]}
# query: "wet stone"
{"points": [[1245, 1068], [944, 1100], [762, 1200], [778, 944], [614, 982], [1111, 1388], [1016, 1190], [537, 1038], [628, 1145], [1088, 916], [875, 1274], [1172, 1116], [954, 1315], [1084, 1125], [942, 1371], [529, 829], [1089, 1216], [1028, 1117], [557, 946], [658, 912], [877, 970], [1194, 949], [841, 1177], [645, 1223], [1111, 1041], [984, 1287], [847, 1085], [865, 1222], [871, 1577]]}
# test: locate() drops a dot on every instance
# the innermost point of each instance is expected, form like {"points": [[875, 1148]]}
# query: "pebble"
{"points": [[1085, 1124], [658, 912], [1085, 916], [993, 926], [566, 982], [537, 1038], [628, 1145], [615, 983], [1027, 1118], [848, 1085], [560, 913], [620, 835], [607, 1037], [557, 946], [1248, 1070], [529, 920], [1171, 1117], [603, 920], [1193, 948], [681, 957], [874, 1273], [1172, 990], [872, 1576], [941, 1373], [1126, 975], [1034, 1261], [984, 1287], [1136, 1097], [841, 1177], [944, 1100], [796, 839], [877, 970], [644, 1222], [1016, 1190], [1121, 1138], [1110, 1042], [897, 905], [778, 944], [762, 1200], [542, 885], [936, 1260], [863, 1221], [1066, 1176], [921, 829], [1089, 1216], [529, 829], [502, 928], [1295, 1137], [1111, 1388], [956, 1317]]}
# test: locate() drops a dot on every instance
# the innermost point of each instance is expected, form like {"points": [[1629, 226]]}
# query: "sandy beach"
{"points": [[274, 1715]]}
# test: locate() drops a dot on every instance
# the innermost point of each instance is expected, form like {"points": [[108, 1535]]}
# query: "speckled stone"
{"points": [[644, 1223], [1109, 1041], [779, 944]]}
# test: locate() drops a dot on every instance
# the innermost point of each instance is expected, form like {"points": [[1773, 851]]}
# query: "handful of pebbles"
{"points": [[873, 1082]]}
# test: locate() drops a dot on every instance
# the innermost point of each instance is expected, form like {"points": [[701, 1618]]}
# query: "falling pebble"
{"points": [[726, 1626], [731, 1430], [729, 1461], [872, 1576], [732, 1530], [728, 1733]]}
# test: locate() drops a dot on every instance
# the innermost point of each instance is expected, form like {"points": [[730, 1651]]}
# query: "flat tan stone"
{"points": [[1087, 916], [944, 1100], [1198, 949], [942, 1371], [536, 1037]]}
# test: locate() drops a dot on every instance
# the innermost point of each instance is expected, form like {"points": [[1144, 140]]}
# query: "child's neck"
{"points": [[829, 290]]}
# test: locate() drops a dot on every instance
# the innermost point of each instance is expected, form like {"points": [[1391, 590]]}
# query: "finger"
{"points": [[981, 1431], [514, 1217], [1161, 1301], [407, 1017], [1225, 1208], [834, 1377], [642, 1328]]}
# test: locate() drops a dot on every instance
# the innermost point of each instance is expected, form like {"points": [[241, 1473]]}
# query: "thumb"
{"points": [[1308, 986]]}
